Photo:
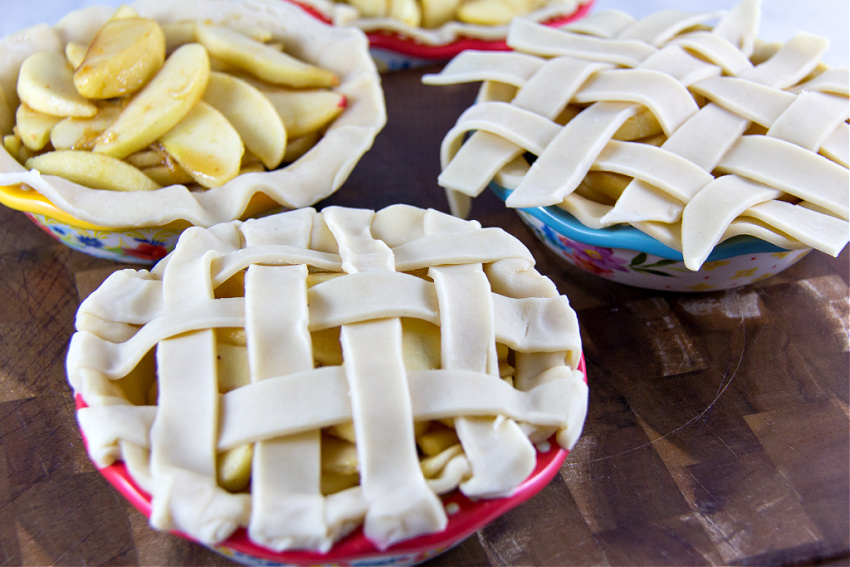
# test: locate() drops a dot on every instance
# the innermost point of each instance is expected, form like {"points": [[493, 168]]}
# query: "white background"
{"points": [[781, 19]]}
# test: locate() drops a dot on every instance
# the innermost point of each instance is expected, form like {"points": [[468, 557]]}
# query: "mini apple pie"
{"points": [[440, 22], [682, 125], [161, 110], [308, 372]]}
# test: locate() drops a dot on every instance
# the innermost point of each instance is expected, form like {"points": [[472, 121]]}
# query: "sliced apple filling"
{"points": [[432, 14], [146, 105]]}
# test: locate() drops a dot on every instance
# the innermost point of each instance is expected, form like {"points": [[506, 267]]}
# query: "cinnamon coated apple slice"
{"points": [[160, 105]]}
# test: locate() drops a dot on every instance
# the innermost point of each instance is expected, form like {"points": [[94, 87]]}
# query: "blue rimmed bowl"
{"points": [[625, 255]]}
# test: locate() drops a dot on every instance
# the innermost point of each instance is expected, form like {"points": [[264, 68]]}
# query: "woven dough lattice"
{"points": [[691, 133], [277, 334]]}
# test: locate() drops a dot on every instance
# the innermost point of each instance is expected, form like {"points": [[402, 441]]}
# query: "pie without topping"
{"points": [[682, 125], [312, 177], [365, 361]]}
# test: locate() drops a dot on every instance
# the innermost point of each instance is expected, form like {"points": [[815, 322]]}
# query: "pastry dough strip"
{"points": [[333, 306], [287, 510], [183, 467], [499, 453], [431, 394], [401, 503]]}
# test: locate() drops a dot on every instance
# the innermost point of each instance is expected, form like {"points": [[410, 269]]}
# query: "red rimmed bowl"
{"points": [[465, 517], [400, 48]]}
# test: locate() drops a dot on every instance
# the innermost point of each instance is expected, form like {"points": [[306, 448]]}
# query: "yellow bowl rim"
{"points": [[23, 198], [28, 200]]}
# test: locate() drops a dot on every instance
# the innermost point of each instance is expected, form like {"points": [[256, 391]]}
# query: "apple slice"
{"points": [[46, 84], [13, 145], [160, 105], [149, 157], [81, 133], [168, 174], [206, 145], [123, 56], [297, 147], [371, 8], [305, 111], [155, 162], [34, 127], [124, 11], [250, 112], [7, 120], [263, 61], [177, 34], [494, 12], [233, 471], [93, 170], [406, 11], [251, 163], [435, 13], [75, 53]]}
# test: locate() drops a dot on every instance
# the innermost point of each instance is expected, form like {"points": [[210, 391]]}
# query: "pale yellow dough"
{"points": [[748, 141], [376, 279], [314, 176]]}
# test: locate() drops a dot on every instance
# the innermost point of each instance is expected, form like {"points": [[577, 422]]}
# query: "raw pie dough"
{"points": [[506, 371], [706, 132], [309, 179]]}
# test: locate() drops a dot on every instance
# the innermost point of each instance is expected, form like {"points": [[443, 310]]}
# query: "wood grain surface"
{"points": [[717, 431]]}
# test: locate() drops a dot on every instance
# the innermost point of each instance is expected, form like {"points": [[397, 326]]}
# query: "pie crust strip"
{"points": [[287, 507], [183, 467]]}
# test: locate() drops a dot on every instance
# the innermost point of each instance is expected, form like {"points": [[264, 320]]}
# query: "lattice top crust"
{"points": [[364, 361], [690, 131]]}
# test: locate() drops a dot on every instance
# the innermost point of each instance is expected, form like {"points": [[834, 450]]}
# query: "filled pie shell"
{"points": [[312, 177]]}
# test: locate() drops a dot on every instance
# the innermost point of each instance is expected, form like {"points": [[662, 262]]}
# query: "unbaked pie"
{"points": [[204, 108], [441, 22], [682, 125], [308, 372]]}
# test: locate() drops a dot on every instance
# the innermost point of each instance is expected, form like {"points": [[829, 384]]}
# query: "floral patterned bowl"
{"points": [[626, 255], [465, 517], [133, 245]]}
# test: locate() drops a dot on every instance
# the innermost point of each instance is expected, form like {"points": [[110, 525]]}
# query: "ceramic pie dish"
{"points": [[625, 255], [339, 386], [396, 44], [681, 127], [304, 165]]}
